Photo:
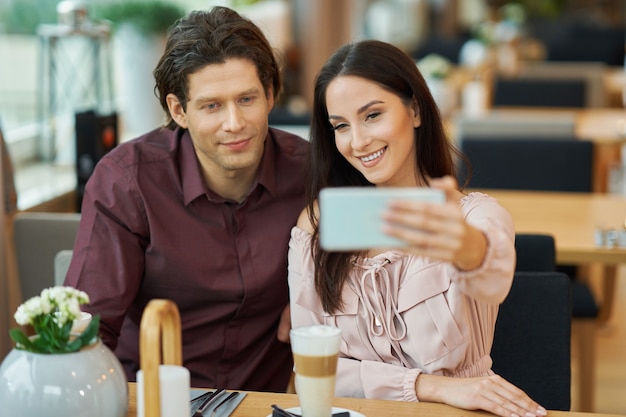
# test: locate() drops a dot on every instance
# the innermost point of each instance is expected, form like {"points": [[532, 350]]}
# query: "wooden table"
{"points": [[572, 219], [257, 404]]}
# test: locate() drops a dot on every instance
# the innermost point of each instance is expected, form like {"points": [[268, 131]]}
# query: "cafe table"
{"points": [[258, 404], [573, 220]]}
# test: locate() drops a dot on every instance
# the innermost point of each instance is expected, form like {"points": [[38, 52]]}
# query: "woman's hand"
{"points": [[438, 231], [491, 393]]}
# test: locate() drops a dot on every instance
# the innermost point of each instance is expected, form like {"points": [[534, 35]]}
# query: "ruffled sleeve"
{"points": [[491, 282], [374, 379]]}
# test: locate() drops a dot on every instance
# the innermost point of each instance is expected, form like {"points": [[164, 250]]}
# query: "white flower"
{"points": [[22, 317], [53, 315], [63, 302]]}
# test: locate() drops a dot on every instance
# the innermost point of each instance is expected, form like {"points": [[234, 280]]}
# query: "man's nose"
{"points": [[234, 120]]}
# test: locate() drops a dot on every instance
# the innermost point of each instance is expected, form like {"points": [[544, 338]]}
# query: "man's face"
{"points": [[226, 116]]}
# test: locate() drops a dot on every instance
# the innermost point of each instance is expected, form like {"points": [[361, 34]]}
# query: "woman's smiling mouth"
{"points": [[373, 156]]}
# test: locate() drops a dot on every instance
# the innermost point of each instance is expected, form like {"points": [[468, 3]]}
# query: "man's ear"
{"points": [[270, 98], [176, 110]]}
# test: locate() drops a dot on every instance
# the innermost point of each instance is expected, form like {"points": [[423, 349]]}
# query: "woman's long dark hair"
{"points": [[392, 69]]}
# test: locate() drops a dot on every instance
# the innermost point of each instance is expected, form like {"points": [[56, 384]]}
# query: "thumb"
{"points": [[447, 184]]}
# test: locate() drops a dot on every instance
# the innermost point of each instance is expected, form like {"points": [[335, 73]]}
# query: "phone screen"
{"points": [[351, 217]]}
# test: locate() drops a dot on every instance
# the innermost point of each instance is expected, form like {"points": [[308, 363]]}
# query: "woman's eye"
{"points": [[339, 126], [372, 115]]}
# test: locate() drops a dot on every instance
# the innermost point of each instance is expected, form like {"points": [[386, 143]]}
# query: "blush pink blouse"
{"points": [[405, 314]]}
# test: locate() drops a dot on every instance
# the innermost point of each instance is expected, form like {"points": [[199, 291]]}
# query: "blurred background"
{"points": [[63, 58], [76, 80]]}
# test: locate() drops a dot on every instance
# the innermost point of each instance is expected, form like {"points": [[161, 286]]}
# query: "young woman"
{"points": [[417, 323]]}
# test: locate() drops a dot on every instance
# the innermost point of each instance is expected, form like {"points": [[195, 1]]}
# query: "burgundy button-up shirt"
{"points": [[150, 228]]}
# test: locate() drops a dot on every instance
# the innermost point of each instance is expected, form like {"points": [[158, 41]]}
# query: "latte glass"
{"points": [[315, 351]]}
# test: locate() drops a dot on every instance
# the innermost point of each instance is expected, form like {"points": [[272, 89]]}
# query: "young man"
{"points": [[200, 212]]}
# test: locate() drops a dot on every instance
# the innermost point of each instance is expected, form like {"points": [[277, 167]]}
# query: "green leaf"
{"points": [[91, 331], [22, 341], [53, 339], [87, 336], [148, 17], [42, 345]]}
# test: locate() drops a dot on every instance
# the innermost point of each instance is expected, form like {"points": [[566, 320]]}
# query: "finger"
{"points": [[519, 398], [506, 408], [507, 400], [424, 216], [428, 242], [416, 227], [448, 184]]}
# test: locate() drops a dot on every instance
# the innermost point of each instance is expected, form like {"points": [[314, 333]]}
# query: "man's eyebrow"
{"points": [[204, 99], [360, 110]]}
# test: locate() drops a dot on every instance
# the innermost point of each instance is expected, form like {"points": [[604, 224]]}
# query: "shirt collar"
{"points": [[191, 173]]}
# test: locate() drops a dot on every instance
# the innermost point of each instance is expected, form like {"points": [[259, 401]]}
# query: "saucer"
{"points": [[334, 410]]}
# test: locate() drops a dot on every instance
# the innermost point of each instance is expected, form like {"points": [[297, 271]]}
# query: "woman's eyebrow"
{"points": [[368, 105], [360, 110]]}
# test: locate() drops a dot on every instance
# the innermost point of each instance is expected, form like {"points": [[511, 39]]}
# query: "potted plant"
{"points": [[139, 33], [147, 18], [52, 316], [63, 369]]}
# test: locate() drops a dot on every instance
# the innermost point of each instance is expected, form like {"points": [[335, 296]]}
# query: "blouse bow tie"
{"points": [[377, 294]]}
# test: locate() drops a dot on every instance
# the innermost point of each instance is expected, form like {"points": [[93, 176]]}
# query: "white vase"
{"points": [[89, 383]]}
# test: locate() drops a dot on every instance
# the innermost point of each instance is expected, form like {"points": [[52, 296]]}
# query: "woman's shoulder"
{"points": [[477, 198], [477, 205], [304, 220]]}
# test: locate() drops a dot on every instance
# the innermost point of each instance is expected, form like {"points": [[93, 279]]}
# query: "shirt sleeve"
{"points": [[491, 282], [108, 258]]}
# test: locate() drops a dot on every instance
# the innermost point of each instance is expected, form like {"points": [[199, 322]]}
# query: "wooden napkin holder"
{"points": [[159, 333]]}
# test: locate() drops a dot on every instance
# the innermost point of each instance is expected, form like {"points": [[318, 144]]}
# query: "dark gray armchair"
{"points": [[531, 346]]}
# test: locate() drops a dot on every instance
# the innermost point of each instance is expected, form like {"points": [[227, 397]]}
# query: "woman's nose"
{"points": [[360, 140]]}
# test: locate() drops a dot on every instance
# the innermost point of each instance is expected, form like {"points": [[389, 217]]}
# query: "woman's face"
{"points": [[374, 130]]}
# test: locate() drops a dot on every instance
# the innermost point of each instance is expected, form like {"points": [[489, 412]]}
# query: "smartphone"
{"points": [[351, 217]]}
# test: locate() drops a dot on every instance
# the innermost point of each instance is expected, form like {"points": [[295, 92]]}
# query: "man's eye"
{"points": [[247, 99], [211, 106]]}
